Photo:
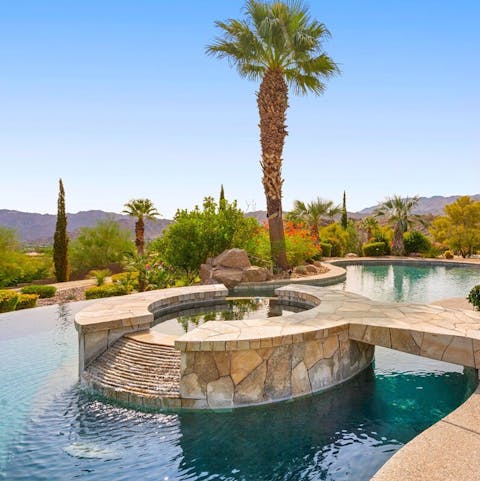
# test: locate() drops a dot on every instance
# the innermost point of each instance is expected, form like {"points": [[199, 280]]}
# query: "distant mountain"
{"points": [[39, 228], [426, 205], [35, 228]]}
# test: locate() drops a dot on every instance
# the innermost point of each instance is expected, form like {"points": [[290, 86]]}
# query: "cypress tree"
{"points": [[60, 239], [344, 219], [221, 200]]}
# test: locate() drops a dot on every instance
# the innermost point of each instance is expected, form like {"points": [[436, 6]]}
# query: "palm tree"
{"points": [[369, 225], [398, 212], [279, 44], [142, 209], [313, 213]]}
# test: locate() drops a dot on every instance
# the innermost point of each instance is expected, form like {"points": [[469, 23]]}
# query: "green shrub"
{"points": [[108, 290], [128, 280], [99, 275], [415, 241], [374, 249], [8, 300], [26, 301], [338, 238], [326, 249], [42, 291], [448, 254], [474, 297]]}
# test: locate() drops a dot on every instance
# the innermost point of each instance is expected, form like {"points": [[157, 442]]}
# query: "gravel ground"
{"points": [[63, 296]]}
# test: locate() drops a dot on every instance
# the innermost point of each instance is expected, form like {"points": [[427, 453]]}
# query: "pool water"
{"points": [[237, 309], [51, 430], [418, 284]]}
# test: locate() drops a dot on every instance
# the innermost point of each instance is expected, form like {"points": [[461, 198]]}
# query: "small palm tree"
{"points": [[279, 44], [398, 213], [313, 213], [142, 209], [369, 225]]}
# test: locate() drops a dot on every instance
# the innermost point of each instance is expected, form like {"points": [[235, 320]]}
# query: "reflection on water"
{"points": [[419, 284], [344, 434], [229, 310]]}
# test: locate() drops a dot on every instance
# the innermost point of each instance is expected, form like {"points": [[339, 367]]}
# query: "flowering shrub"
{"points": [[8, 300], [299, 241]]}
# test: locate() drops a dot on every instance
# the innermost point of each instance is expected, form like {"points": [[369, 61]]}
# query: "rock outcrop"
{"points": [[230, 268]]}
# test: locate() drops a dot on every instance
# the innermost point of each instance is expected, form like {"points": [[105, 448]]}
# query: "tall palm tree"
{"points": [[279, 44], [398, 213], [313, 213], [142, 209]]}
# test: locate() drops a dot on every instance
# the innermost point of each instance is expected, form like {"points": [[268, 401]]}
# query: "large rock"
{"points": [[255, 274], [229, 277], [236, 258], [232, 267]]}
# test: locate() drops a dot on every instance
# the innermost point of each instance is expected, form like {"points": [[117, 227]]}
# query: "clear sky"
{"points": [[118, 98]]}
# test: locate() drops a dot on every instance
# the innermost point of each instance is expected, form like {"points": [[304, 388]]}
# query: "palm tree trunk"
{"points": [[140, 236], [397, 243], [272, 100]]}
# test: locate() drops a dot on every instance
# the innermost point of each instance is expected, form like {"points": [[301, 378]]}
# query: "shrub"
{"points": [[8, 300], [337, 237], [99, 246], [26, 301], [42, 291], [326, 249], [99, 275], [374, 249], [109, 290], [474, 297], [128, 280], [448, 254], [415, 241]]}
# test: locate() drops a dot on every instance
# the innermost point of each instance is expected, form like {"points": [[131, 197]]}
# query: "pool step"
{"points": [[137, 373]]}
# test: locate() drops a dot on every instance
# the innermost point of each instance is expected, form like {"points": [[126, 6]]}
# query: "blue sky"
{"points": [[118, 98]]}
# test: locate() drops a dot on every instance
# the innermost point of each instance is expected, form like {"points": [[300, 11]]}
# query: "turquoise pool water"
{"points": [[397, 283], [50, 430]]}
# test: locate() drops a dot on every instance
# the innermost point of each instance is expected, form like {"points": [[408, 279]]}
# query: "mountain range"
{"points": [[35, 228]]}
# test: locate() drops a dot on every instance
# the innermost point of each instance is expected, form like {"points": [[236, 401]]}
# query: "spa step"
{"points": [[137, 371]]}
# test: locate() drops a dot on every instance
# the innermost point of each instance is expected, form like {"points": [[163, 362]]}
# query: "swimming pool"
{"points": [[50, 430], [410, 283]]}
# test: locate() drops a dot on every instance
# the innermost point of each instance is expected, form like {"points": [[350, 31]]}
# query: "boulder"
{"points": [[205, 274], [236, 258], [255, 274], [351, 254], [229, 277]]}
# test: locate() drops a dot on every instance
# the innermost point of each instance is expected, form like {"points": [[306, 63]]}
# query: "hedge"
{"points": [[108, 290], [8, 300], [43, 292], [374, 249], [26, 301]]}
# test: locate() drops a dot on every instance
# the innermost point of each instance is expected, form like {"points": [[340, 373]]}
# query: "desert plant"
{"points": [[43, 292], [107, 290], [8, 300], [26, 301], [99, 275], [474, 297], [374, 249], [448, 255], [279, 44]]}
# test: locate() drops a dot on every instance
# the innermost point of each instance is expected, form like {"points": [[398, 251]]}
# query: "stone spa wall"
{"points": [[257, 372]]}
